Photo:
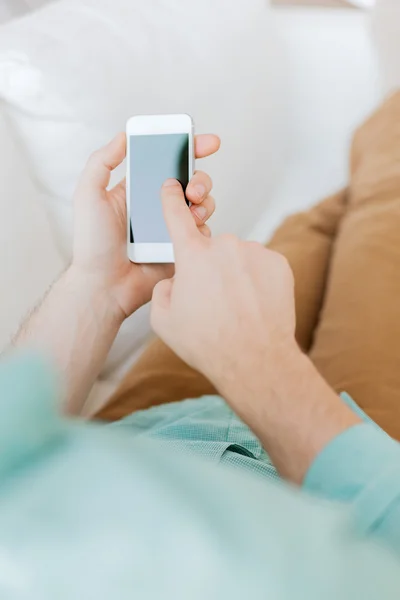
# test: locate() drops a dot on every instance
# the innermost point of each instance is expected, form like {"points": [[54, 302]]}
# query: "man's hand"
{"points": [[230, 304], [229, 312], [100, 245]]}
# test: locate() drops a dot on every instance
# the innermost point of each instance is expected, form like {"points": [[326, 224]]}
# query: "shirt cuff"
{"points": [[361, 466]]}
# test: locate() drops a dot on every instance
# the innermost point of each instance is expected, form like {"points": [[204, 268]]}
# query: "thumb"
{"points": [[100, 164], [180, 223], [160, 304]]}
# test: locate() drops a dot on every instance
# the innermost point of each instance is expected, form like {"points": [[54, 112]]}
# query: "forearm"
{"points": [[74, 326], [292, 410]]}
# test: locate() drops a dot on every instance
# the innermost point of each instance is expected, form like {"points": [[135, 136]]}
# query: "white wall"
{"points": [[333, 83], [386, 29]]}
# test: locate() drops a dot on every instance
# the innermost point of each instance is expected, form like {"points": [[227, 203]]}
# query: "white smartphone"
{"points": [[159, 147]]}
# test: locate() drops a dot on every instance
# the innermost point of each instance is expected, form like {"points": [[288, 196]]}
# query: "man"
{"points": [[229, 312]]}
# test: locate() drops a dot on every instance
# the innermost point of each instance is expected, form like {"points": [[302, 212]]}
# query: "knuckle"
{"points": [[157, 290], [195, 248], [211, 202], [275, 259], [204, 178], [94, 159], [282, 265], [282, 261], [205, 230], [196, 245], [254, 246], [227, 244], [255, 252], [228, 239]]}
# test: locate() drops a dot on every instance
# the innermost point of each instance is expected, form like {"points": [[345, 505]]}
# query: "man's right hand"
{"points": [[230, 307], [229, 312]]}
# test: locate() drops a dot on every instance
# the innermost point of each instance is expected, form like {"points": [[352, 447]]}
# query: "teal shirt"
{"points": [[209, 428], [88, 511]]}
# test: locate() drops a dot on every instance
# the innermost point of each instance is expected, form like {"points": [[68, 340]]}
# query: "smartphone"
{"points": [[159, 147]]}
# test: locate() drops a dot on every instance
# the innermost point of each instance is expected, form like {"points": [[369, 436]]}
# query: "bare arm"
{"points": [[229, 312], [74, 326], [291, 409]]}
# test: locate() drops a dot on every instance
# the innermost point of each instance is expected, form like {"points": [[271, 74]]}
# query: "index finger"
{"points": [[180, 223]]}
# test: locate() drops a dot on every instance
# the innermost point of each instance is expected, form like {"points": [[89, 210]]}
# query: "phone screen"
{"points": [[153, 159]]}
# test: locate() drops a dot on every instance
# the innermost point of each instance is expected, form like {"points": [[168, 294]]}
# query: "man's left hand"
{"points": [[100, 242]]}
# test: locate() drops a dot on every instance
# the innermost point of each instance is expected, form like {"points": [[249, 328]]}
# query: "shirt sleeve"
{"points": [[362, 467]]}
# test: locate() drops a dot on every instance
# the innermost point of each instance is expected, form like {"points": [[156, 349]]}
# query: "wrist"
{"points": [[291, 409], [265, 375], [93, 290]]}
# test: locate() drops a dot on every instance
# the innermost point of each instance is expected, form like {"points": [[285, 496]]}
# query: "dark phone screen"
{"points": [[153, 159]]}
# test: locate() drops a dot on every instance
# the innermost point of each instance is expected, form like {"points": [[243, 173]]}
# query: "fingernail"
{"points": [[170, 183], [201, 212], [200, 190]]}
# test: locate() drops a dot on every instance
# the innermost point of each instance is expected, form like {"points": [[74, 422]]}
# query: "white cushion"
{"points": [[386, 31], [29, 260], [9, 9], [72, 73]]}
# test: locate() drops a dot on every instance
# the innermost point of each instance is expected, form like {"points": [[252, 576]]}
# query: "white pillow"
{"points": [[29, 260], [75, 71], [386, 24], [9, 9]]}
